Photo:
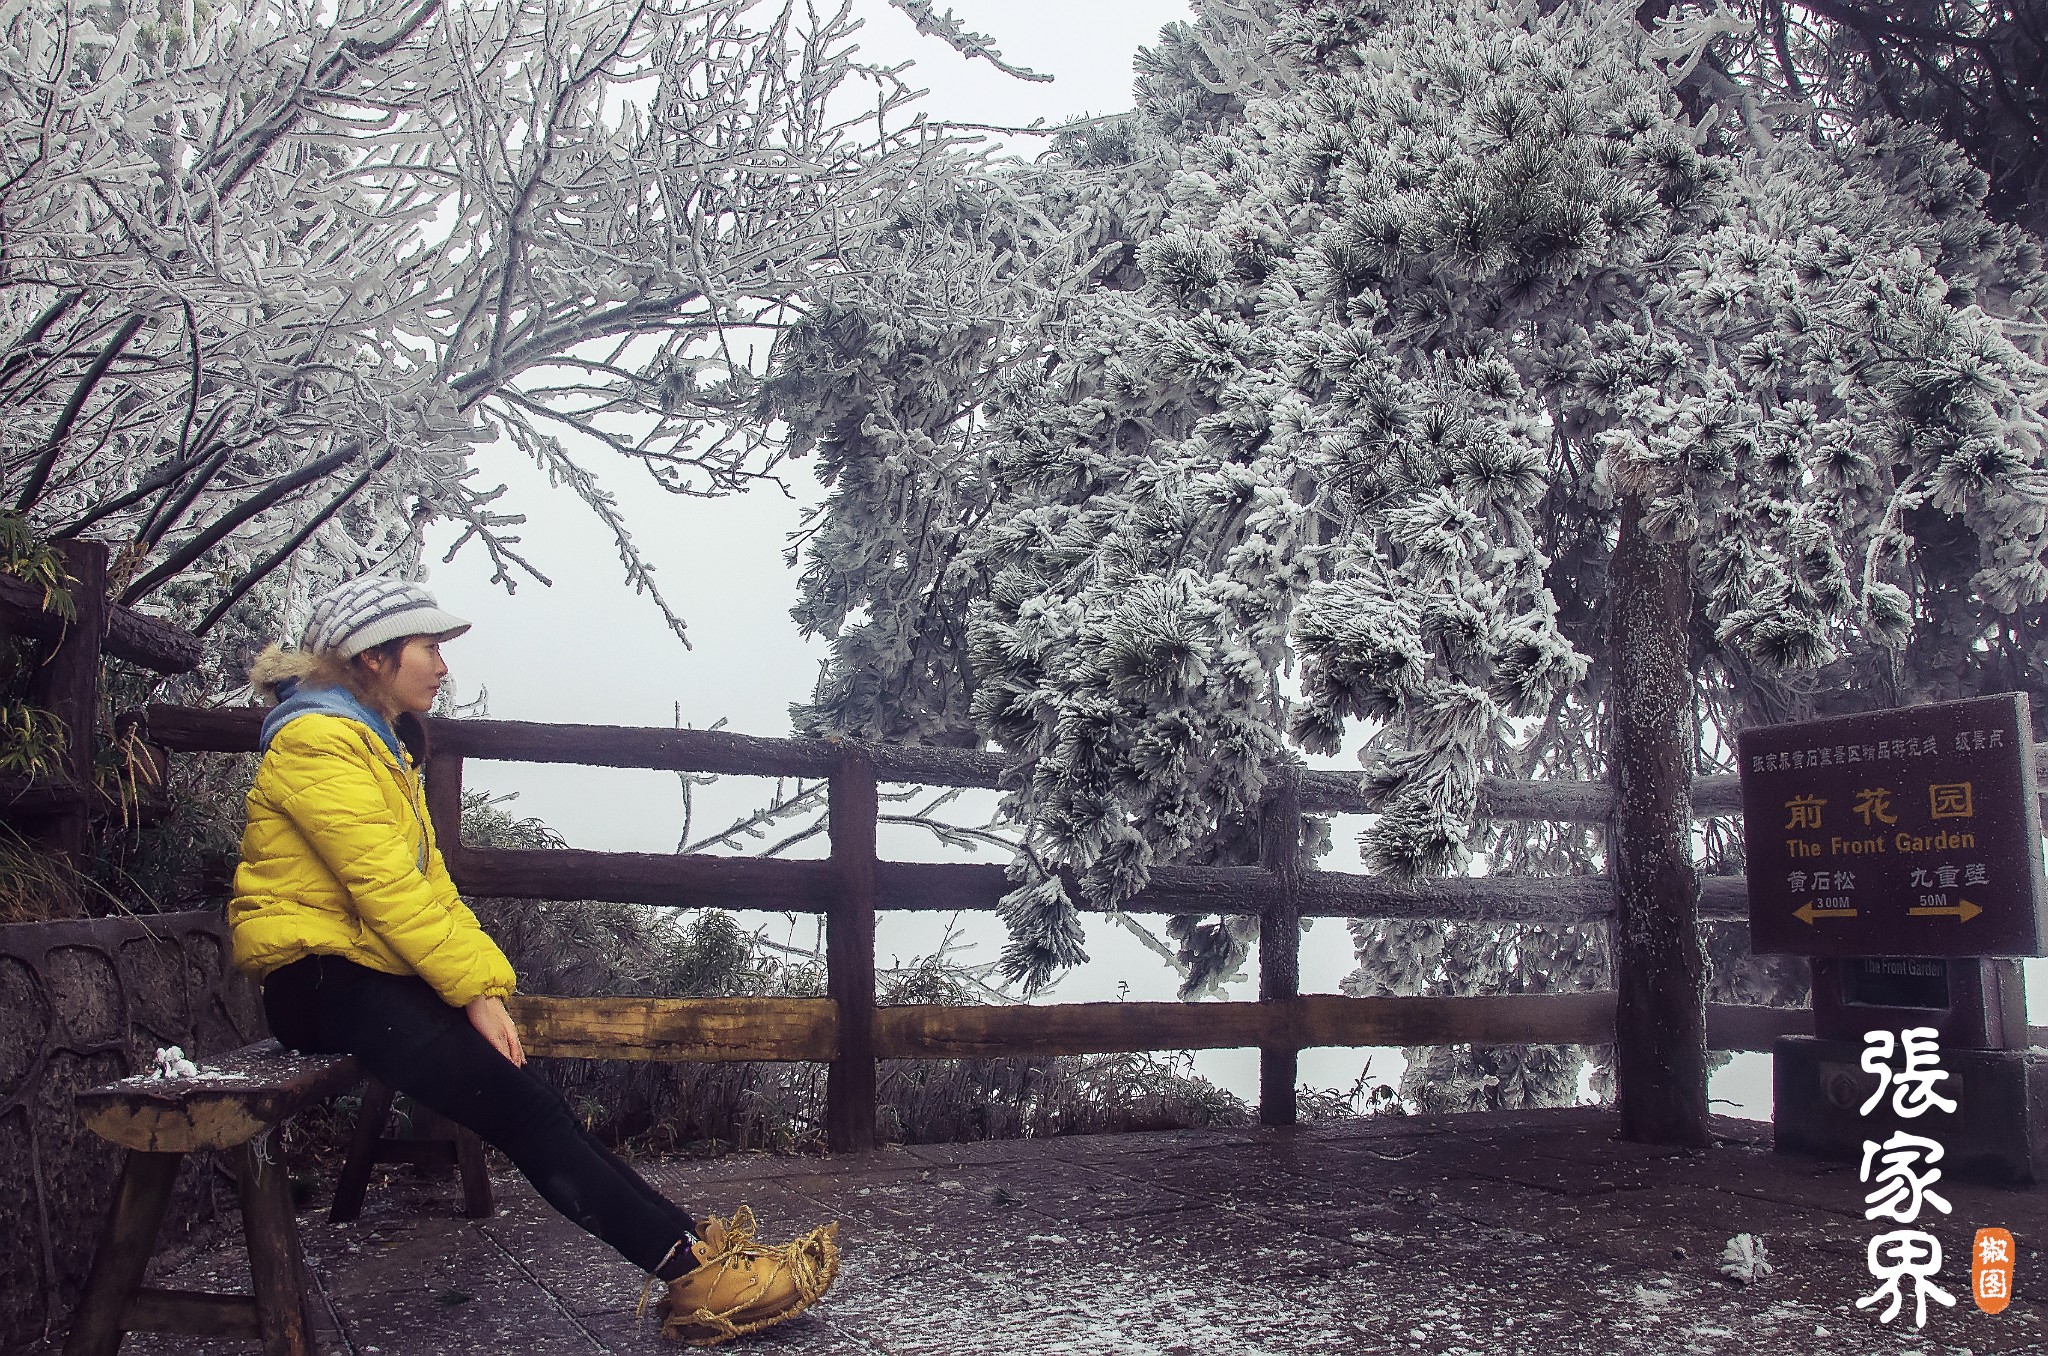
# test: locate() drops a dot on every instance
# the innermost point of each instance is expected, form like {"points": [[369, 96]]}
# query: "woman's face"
{"points": [[416, 681]]}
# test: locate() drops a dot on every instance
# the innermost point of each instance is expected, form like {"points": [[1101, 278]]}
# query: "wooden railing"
{"points": [[130, 635], [847, 1030]]}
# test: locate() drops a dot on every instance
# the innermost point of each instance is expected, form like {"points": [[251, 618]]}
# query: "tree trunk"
{"points": [[1660, 1045]]}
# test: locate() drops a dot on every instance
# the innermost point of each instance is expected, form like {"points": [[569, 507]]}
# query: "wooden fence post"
{"points": [[67, 685], [850, 953], [1660, 1023], [1280, 947], [444, 800]]}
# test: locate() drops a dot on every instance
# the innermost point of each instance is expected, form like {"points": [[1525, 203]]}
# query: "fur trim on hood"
{"points": [[275, 666]]}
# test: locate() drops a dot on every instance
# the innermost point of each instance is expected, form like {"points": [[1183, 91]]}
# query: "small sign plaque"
{"points": [[1910, 832], [1896, 982]]}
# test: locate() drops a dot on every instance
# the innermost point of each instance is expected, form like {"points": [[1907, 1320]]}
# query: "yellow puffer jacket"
{"points": [[339, 859]]}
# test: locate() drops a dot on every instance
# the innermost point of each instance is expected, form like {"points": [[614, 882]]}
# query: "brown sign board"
{"points": [[1910, 832]]}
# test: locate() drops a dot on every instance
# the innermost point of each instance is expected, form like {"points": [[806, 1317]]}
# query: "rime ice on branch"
{"points": [[273, 275]]}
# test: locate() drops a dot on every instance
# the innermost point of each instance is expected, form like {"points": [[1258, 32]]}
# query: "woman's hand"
{"points": [[494, 1024]]}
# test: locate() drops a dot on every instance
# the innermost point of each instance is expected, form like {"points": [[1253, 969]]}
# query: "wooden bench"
{"points": [[228, 1107]]}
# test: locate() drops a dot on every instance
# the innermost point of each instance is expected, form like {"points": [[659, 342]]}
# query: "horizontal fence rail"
{"points": [[678, 1030], [703, 881], [849, 1032], [709, 1030], [130, 635], [717, 751], [795, 886], [1718, 796]]}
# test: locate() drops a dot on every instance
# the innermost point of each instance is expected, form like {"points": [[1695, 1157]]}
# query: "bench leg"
{"points": [[276, 1267], [467, 1159], [362, 1153], [476, 1178], [432, 1127], [126, 1242]]}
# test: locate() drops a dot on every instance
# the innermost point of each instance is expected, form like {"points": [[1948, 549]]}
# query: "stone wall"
{"points": [[82, 1003]]}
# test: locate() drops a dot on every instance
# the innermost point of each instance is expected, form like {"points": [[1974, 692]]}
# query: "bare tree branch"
{"points": [[388, 221]]}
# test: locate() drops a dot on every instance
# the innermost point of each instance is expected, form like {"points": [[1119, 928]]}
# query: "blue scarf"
{"points": [[300, 700]]}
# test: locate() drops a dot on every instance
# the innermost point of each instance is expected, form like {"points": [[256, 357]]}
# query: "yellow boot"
{"points": [[740, 1286]]}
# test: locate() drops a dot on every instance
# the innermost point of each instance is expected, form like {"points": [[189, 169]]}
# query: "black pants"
{"points": [[409, 1038]]}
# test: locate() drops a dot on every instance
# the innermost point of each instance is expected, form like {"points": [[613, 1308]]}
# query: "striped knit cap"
{"points": [[364, 612]]}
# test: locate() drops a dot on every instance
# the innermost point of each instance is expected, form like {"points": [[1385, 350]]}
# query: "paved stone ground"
{"points": [[1531, 1233]]}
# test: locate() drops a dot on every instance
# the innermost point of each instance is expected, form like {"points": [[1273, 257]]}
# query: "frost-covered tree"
{"points": [[1974, 70], [272, 273], [1398, 326]]}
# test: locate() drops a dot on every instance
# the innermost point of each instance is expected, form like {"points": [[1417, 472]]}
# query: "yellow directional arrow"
{"points": [[1806, 913], [1962, 912]]}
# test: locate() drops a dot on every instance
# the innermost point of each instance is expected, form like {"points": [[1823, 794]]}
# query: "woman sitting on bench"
{"points": [[344, 909]]}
